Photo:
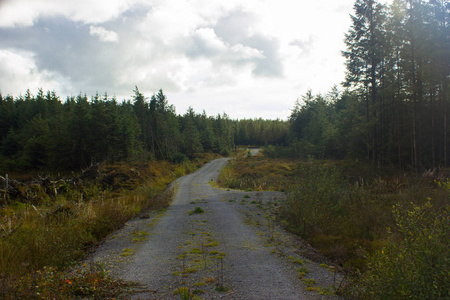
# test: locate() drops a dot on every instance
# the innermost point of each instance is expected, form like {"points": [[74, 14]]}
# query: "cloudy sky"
{"points": [[248, 58]]}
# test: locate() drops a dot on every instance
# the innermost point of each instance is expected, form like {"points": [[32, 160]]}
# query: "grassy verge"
{"points": [[258, 173], [42, 236], [374, 225]]}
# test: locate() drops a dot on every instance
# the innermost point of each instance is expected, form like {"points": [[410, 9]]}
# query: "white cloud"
{"points": [[253, 57], [103, 34], [18, 72], [26, 12]]}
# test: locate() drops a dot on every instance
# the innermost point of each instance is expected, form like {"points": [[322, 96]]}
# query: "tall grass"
{"points": [[348, 215], [60, 230], [257, 173], [415, 263]]}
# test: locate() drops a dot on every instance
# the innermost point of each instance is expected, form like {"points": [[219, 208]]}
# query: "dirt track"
{"points": [[233, 250]]}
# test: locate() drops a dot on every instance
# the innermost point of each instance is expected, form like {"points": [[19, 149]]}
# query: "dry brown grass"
{"points": [[258, 173], [63, 228], [342, 209]]}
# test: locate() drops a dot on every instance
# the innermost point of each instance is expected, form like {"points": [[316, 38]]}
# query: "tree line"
{"points": [[43, 132], [395, 107]]}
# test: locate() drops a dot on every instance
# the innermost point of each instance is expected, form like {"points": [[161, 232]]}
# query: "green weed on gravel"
{"points": [[197, 210]]}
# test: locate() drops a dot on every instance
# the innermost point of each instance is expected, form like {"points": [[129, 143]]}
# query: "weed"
{"points": [[197, 210], [184, 293], [309, 281], [220, 273], [297, 261], [202, 283], [190, 270], [196, 251], [221, 289], [326, 291], [127, 252], [198, 292], [209, 280], [139, 236], [212, 244], [302, 269]]}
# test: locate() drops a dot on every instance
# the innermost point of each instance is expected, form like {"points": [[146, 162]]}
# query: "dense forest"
{"points": [[397, 100], [42, 132], [393, 111]]}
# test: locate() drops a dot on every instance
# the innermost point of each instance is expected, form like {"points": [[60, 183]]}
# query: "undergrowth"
{"points": [[82, 282], [415, 262], [45, 237], [345, 211], [257, 173]]}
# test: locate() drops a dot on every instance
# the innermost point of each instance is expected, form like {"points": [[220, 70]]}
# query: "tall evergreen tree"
{"points": [[364, 55]]}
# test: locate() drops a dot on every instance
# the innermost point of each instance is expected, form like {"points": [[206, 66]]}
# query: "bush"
{"points": [[56, 231], [85, 282], [315, 201], [415, 264]]}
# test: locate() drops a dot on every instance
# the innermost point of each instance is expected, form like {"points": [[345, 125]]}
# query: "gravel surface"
{"points": [[215, 243]]}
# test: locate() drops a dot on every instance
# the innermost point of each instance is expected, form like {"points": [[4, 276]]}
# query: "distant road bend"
{"points": [[229, 251]]}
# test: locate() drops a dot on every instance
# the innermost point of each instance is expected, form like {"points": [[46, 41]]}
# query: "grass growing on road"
{"points": [[200, 262], [197, 210]]}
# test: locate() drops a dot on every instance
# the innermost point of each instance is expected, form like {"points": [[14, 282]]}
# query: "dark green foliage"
{"points": [[316, 198], [395, 108], [192, 141], [259, 132], [43, 133], [415, 264]]}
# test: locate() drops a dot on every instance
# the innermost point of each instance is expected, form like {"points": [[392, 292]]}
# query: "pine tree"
{"points": [[191, 136], [364, 56]]}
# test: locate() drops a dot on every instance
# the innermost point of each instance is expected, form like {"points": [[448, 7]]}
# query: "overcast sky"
{"points": [[248, 58]]}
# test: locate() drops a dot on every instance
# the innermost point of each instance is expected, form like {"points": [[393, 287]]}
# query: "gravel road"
{"points": [[215, 243]]}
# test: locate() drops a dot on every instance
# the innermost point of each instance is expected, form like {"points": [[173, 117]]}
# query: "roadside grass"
{"points": [[46, 237], [84, 282], [257, 173], [350, 212]]}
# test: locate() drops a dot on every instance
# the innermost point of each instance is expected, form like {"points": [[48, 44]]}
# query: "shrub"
{"points": [[315, 201], [59, 231], [415, 264], [85, 282]]}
